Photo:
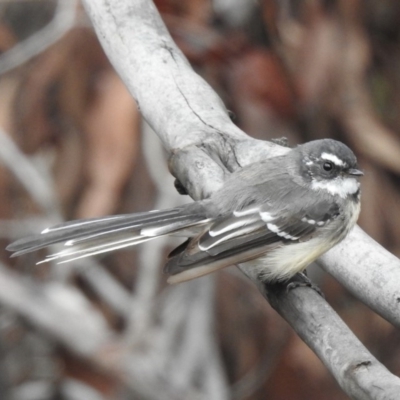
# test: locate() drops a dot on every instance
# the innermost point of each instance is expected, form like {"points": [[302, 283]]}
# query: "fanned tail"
{"points": [[84, 238]]}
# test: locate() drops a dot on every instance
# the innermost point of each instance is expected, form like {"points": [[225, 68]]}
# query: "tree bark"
{"points": [[205, 146]]}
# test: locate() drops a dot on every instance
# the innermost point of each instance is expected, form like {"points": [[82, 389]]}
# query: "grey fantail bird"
{"points": [[274, 217]]}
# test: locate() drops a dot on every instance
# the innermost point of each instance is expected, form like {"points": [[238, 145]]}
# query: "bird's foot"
{"points": [[303, 281], [180, 188]]}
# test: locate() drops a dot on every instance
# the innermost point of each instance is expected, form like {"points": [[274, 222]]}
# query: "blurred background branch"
{"points": [[62, 21]]}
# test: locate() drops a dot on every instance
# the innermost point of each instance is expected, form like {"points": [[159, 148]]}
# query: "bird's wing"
{"points": [[244, 235]]}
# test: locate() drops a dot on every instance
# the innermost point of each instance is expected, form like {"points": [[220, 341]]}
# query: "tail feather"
{"points": [[78, 252], [81, 228], [83, 238]]}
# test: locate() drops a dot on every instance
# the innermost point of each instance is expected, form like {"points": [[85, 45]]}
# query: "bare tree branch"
{"points": [[62, 22], [58, 310], [369, 271], [28, 175], [359, 373], [205, 146], [151, 254]]}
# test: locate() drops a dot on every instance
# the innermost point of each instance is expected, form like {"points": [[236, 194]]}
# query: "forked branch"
{"points": [[205, 146]]}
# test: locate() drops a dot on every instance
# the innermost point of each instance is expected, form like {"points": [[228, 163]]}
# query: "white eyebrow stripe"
{"points": [[331, 157]]}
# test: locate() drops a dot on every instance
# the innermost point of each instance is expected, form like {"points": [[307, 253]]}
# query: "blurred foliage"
{"points": [[304, 70]]}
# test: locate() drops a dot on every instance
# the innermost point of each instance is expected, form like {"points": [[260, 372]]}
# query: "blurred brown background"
{"points": [[72, 145]]}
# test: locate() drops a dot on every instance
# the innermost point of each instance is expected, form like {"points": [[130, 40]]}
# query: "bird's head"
{"points": [[330, 166]]}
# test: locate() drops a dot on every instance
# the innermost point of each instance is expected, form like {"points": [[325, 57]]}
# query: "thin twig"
{"points": [[37, 184], [151, 254], [62, 22]]}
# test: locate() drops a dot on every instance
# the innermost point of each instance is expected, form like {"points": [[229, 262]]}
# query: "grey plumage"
{"points": [[86, 236], [310, 195]]}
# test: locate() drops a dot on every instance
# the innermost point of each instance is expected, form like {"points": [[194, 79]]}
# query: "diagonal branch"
{"points": [[205, 146]]}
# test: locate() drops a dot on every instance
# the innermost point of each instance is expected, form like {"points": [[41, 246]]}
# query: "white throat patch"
{"points": [[339, 186]]}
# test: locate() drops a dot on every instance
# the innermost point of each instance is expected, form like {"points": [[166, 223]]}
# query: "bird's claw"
{"points": [[304, 282], [180, 188]]}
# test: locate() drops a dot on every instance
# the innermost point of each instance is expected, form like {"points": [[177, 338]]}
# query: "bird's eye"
{"points": [[328, 166]]}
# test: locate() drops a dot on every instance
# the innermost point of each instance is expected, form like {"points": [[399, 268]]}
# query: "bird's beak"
{"points": [[355, 172]]}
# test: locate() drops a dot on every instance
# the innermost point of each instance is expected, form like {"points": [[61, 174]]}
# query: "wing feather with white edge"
{"points": [[242, 236]]}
